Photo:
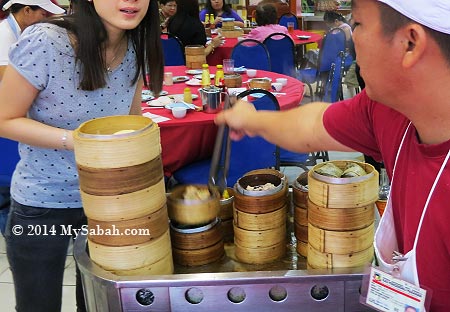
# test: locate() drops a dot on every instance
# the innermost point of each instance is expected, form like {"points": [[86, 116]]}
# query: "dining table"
{"points": [[300, 38], [192, 138]]}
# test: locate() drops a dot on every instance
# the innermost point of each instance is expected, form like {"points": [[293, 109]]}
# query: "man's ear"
{"points": [[415, 44]]}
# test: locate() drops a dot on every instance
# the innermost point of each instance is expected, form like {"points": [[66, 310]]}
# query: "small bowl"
{"points": [[251, 72], [283, 81], [277, 86], [179, 112]]}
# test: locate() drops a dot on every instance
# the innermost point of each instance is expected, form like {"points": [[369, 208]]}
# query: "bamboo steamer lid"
{"points": [[340, 242], [301, 216], [261, 221], [300, 191], [196, 238], [130, 257], [340, 219], [195, 56], [195, 257], [343, 192], [261, 83], [126, 206], [232, 80], [192, 211], [302, 249], [129, 232], [164, 266], [96, 145], [301, 232], [259, 239], [226, 206], [260, 255], [320, 260]]}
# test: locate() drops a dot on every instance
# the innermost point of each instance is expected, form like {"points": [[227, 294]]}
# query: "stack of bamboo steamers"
{"points": [[341, 217], [123, 195]]}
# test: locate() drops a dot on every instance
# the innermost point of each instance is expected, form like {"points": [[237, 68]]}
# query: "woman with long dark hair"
{"points": [[66, 71]]}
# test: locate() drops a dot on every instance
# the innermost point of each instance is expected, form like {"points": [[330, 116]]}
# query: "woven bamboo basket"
{"points": [[164, 266], [301, 216], [340, 242], [195, 56], [260, 255], [131, 231], [300, 191], [96, 145], [341, 219], [261, 221], [196, 238], [195, 257], [192, 211], [343, 192], [259, 239], [301, 232], [320, 260], [125, 206], [302, 248], [119, 258]]}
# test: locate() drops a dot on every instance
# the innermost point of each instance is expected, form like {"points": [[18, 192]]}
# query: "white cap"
{"points": [[431, 13], [47, 5]]}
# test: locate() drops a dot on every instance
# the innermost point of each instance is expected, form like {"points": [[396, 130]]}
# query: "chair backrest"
{"points": [[282, 53], [332, 43], [252, 153], [333, 88], [251, 54], [9, 156], [173, 50], [288, 17]]}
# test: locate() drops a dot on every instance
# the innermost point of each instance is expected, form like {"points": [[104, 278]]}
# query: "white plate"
{"points": [[180, 104], [240, 70], [147, 95], [199, 77], [304, 37], [193, 71], [178, 79], [180, 97], [194, 82]]}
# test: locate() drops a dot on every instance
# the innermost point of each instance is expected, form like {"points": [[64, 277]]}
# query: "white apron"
{"points": [[385, 242]]}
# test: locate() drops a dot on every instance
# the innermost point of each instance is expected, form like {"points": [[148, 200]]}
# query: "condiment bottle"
{"points": [[211, 20], [207, 21], [383, 193], [206, 79], [219, 75], [187, 95]]}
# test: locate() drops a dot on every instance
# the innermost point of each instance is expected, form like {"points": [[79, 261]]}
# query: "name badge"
{"points": [[389, 294]]}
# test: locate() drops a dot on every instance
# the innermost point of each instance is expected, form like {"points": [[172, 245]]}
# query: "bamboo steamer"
{"points": [[301, 216], [125, 206], [300, 191], [226, 206], [192, 211], [228, 231], [343, 192], [195, 257], [261, 221], [129, 232], [195, 56], [340, 219], [228, 25], [232, 80], [196, 238], [96, 145], [259, 202], [320, 260], [302, 248], [260, 255], [301, 232], [259, 239], [160, 267], [119, 258], [340, 242], [275, 172], [261, 83]]}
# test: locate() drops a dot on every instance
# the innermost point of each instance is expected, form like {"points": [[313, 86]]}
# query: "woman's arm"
{"points": [[137, 100]]}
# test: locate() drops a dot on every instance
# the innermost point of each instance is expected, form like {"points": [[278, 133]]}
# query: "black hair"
{"points": [[266, 14], [90, 35], [331, 16], [164, 2], [209, 9]]}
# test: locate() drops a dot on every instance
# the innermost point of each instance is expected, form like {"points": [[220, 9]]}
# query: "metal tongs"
{"points": [[220, 161]]}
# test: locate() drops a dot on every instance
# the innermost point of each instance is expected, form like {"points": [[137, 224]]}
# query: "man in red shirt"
{"points": [[401, 118]]}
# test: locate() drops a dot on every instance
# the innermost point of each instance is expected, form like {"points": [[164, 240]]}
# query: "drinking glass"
{"points": [[290, 27], [228, 66]]}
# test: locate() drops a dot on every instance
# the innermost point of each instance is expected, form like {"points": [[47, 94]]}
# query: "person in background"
{"points": [[266, 18], [402, 118], [167, 9], [335, 20], [21, 14], [221, 10], [69, 70], [186, 25]]}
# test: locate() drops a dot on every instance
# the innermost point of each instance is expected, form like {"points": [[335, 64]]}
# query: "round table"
{"points": [[192, 138]]}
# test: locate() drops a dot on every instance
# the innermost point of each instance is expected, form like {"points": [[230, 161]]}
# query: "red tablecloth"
{"points": [[224, 51], [192, 138]]}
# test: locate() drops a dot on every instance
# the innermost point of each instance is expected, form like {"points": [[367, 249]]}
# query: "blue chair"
{"points": [[333, 43], [282, 54], [173, 50], [251, 54], [333, 89], [246, 154], [287, 18]]}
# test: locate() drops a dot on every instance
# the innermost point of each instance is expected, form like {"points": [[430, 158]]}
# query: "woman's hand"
{"points": [[217, 41]]}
